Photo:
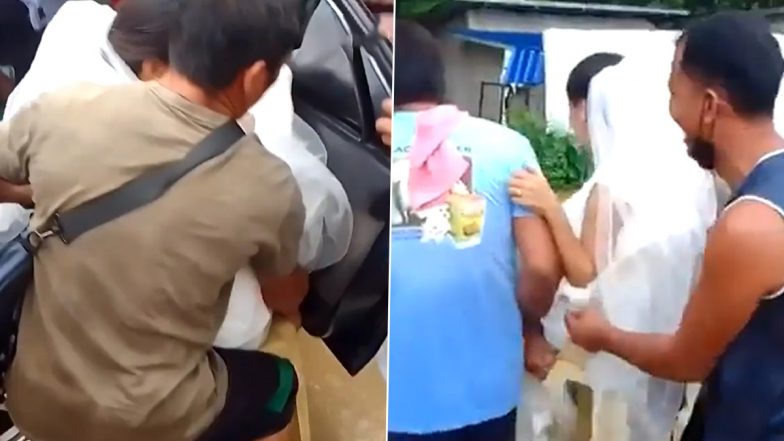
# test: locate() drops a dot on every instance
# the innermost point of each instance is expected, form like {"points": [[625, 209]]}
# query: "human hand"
{"points": [[530, 188], [589, 329], [540, 355], [384, 123], [386, 25], [17, 194], [283, 295], [6, 86], [294, 318]]}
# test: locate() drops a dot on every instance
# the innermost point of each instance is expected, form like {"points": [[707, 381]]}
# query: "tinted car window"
{"points": [[379, 91], [322, 68]]}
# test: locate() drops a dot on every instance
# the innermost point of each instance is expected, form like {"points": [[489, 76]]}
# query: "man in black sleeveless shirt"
{"points": [[724, 83]]}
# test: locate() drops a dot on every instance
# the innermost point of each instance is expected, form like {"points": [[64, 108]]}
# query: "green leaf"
{"points": [[564, 164]]}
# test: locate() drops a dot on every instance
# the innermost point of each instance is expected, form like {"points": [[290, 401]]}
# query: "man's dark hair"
{"points": [[419, 67], [736, 52], [215, 40], [140, 31], [580, 77]]}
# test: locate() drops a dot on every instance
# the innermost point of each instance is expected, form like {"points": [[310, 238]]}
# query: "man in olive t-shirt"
{"points": [[116, 333]]}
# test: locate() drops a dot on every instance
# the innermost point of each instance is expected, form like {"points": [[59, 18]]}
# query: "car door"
{"points": [[342, 73]]}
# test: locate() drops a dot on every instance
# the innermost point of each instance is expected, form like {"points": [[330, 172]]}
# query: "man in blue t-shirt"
{"points": [[458, 292]]}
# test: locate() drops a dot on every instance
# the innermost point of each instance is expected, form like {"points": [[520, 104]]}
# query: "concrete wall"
{"points": [[497, 20], [468, 64], [777, 24]]}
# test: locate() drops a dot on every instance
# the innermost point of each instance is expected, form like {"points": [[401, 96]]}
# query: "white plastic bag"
{"points": [[382, 359], [70, 52], [544, 415], [13, 220], [566, 298], [247, 320], [328, 217], [648, 405]]}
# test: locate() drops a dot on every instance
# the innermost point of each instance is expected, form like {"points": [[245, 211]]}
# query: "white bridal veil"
{"points": [[654, 208]]}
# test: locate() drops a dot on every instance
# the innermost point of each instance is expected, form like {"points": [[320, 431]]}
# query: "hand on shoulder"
{"points": [[530, 188]]}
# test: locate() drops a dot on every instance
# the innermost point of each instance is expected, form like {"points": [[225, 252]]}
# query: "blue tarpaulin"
{"points": [[526, 64]]}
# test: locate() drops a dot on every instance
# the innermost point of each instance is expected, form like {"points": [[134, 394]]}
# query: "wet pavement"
{"points": [[341, 407]]}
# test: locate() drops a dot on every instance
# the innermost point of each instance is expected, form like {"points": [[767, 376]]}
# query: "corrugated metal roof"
{"points": [[585, 7], [526, 63], [526, 68], [772, 12]]}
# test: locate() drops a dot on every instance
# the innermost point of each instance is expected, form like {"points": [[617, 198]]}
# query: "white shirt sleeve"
{"points": [[70, 52]]}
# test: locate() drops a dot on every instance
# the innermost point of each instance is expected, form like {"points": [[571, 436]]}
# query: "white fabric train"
{"points": [[655, 207]]}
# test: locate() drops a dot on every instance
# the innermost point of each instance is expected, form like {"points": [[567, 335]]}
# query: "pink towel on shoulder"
{"points": [[436, 165]]}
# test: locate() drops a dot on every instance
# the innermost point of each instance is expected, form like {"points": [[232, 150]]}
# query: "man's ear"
{"points": [[152, 69], [257, 78]]}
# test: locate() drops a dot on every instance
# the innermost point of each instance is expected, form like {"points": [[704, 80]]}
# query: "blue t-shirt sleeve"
{"points": [[522, 156]]}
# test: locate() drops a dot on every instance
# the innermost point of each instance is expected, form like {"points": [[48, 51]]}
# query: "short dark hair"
{"points": [[140, 31], [737, 52], [419, 66], [581, 75], [215, 40]]}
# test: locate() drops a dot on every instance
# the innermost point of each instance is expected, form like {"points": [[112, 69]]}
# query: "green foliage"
{"points": [[417, 8], [424, 9], [564, 164]]}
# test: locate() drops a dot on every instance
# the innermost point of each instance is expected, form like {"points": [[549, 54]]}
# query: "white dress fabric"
{"points": [[655, 206], [654, 217], [70, 52], [74, 49]]}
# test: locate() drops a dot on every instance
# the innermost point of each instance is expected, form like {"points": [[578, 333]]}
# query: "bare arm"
{"points": [[6, 86], [540, 268], [577, 254], [530, 188], [17, 194], [540, 272], [741, 265]]}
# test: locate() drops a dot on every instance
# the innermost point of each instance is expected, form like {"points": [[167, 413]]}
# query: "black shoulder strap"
{"points": [[141, 190]]}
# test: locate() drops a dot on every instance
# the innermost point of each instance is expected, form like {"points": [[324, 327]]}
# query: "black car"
{"points": [[342, 73]]}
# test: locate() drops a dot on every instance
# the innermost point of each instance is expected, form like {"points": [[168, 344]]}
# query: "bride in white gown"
{"points": [[644, 222]]}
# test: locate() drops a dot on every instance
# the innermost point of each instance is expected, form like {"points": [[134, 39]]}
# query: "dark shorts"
{"points": [[261, 399], [498, 429]]}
